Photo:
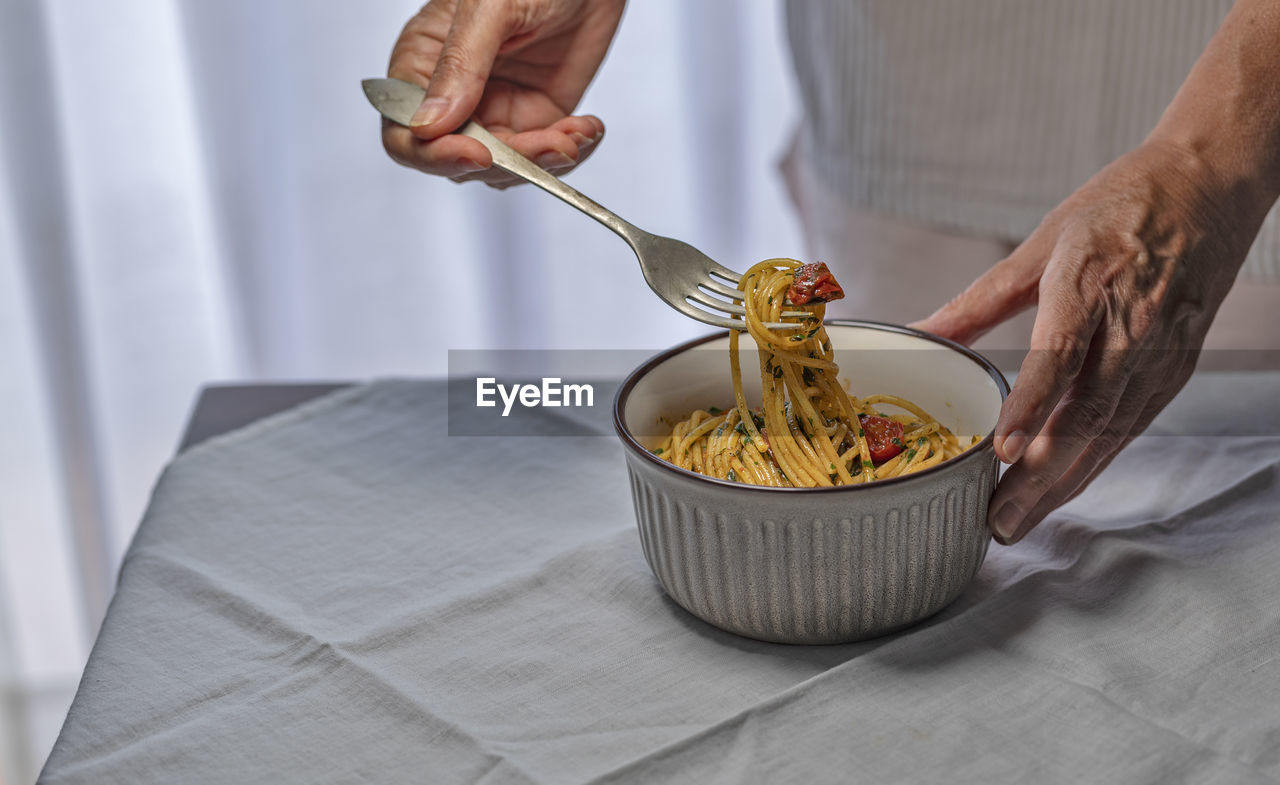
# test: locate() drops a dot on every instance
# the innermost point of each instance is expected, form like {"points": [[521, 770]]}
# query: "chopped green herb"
{"points": [[813, 332], [897, 442], [732, 476], [770, 299], [868, 465], [658, 451], [797, 337], [832, 469], [777, 373], [911, 454], [716, 410], [740, 428], [922, 440], [757, 419]]}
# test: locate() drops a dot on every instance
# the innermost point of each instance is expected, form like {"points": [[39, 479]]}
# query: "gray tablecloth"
{"points": [[343, 593]]}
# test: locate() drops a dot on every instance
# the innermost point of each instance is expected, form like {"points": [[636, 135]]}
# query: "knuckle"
{"points": [[1103, 440], [1093, 275], [1108, 443], [1089, 416], [419, 23], [1141, 316], [453, 61], [1067, 350], [396, 148], [523, 14], [1036, 485]]}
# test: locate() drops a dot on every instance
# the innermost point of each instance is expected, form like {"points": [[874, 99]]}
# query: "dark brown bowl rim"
{"points": [[620, 402]]}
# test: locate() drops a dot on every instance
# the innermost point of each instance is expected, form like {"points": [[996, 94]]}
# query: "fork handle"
{"points": [[510, 161]]}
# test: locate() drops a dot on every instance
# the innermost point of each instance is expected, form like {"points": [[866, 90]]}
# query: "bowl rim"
{"points": [[633, 444]]}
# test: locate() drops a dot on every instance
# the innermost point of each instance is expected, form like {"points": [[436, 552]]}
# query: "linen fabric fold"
{"points": [[344, 593]]}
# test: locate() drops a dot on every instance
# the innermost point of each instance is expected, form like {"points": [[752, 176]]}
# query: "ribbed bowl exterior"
{"points": [[819, 567]]}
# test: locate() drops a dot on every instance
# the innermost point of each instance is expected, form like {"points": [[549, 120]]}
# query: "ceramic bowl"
{"points": [[815, 565]]}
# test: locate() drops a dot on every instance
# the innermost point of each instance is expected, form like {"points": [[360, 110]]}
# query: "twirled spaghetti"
{"points": [[808, 431]]}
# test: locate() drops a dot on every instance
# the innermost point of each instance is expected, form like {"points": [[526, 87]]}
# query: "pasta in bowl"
{"points": [[808, 430], [823, 563]]}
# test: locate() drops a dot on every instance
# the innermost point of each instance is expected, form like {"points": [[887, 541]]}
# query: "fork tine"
{"points": [[738, 310], [724, 272], [720, 305], [728, 323], [715, 287], [725, 291], [716, 320]]}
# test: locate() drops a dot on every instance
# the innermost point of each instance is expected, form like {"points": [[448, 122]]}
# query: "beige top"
{"points": [[983, 115]]}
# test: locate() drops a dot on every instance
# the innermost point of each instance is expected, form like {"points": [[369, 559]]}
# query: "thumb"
{"points": [[460, 72], [1004, 291]]}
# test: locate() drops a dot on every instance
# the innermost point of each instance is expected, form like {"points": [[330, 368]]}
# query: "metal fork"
{"points": [[686, 278]]}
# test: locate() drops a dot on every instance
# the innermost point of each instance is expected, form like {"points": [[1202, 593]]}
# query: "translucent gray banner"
{"points": [[571, 392]]}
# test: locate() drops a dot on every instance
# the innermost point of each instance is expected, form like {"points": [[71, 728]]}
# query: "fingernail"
{"points": [[1004, 523], [554, 160], [467, 165], [432, 109], [582, 140], [1014, 444]]}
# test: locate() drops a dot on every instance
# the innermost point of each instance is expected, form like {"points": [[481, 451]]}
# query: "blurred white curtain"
{"points": [[197, 191]]}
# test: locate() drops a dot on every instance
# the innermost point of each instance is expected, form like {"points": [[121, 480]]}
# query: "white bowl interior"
{"points": [[949, 385]]}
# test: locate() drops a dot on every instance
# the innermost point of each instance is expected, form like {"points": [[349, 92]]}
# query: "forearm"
{"points": [[1227, 112], [1128, 272]]}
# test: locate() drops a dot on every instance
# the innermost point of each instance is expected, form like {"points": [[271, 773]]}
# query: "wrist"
{"points": [[1240, 166], [1227, 112]]}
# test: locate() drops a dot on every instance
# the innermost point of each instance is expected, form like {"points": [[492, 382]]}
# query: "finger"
{"points": [[585, 131], [1145, 395], [460, 72], [554, 161], [450, 155], [1002, 292], [558, 149], [557, 153], [548, 147], [1078, 461], [1027, 491], [1065, 328], [1166, 391]]}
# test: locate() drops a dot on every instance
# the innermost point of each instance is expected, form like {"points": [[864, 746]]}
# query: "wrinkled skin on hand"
{"points": [[1128, 273], [518, 66]]}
